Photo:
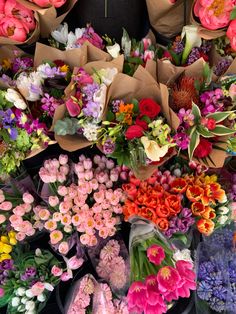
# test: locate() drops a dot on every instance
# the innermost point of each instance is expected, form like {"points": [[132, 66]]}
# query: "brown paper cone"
{"points": [[167, 18], [38, 151], [151, 67], [74, 57], [32, 39], [204, 32], [96, 54]]}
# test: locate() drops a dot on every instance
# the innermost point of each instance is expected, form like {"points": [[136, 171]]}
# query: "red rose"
{"points": [[141, 123], [148, 107], [134, 131], [203, 149]]}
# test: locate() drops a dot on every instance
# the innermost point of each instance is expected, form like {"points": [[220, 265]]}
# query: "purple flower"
{"points": [[92, 109], [6, 79], [29, 273], [213, 101], [115, 105], [12, 132], [50, 104], [36, 89], [178, 47], [7, 264], [7, 117], [108, 147], [193, 56], [89, 90], [222, 66], [182, 140], [186, 117], [21, 64]]}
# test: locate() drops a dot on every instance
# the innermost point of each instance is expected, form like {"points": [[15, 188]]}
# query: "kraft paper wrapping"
{"points": [[168, 18], [204, 32], [32, 39], [74, 142]]}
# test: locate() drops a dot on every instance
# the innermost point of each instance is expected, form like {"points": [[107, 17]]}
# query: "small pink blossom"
{"points": [[155, 254], [19, 211], [63, 159], [67, 275], [2, 198], [62, 190], [50, 225], [56, 271], [15, 220], [37, 288], [74, 263], [28, 198], [87, 163], [6, 206], [53, 200], [56, 236], [44, 214], [20, 236], [56, 217], [63, 248], [99, 196], [2, 219]]}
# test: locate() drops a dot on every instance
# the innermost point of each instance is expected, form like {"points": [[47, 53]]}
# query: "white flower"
{"points": [[38, 252], [114, 50], [223, 210], [184, 255], [68, 229], [21, 309], [20, 292], [153, 151], [30, 85], [45, 70], [41, 297], [15, 301], [71, 41], [14, 97], [223, 200], [30, 305], [126, 43], [100, 98], [61, 34], [28, 292], [192, 39], [48, 286], [90, 131], [222, 220], [30, 312], [24, 300], [108, 75]]}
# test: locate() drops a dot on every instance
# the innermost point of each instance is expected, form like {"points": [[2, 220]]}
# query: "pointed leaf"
{"points": [[233, 14], [221, 130], [219, 116], [204, 131], [194, 141], [196, 112]]}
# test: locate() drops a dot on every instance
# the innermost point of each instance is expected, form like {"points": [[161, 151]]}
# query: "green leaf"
{"points": [[135, 102], [204, 131], [196, 112], [197, 85], [194, 141], [233, 14], [136, 60], [110, 116], [219, 116], [207, 74], [176, 57], [221, 130]]}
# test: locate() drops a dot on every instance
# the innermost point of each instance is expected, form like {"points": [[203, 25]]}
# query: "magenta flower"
{"points": [[155, 254], [188, 278], [72, 107], [182, 140], [168, 279], [155, 309], [186, 117], [155, 300], [136, 297]]}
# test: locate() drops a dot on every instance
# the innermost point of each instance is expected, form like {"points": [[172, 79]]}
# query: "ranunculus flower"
{"points": [[148, 107], [13, 28], [155, 254], [214, 14], [56, 271], [153, 151], [73, 107], [205, 226], [231, 34], [203, 149], [134, 131]]}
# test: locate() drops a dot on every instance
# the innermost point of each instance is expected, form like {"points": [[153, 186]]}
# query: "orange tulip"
{"points": [[205, 226], [213, 193], [194, 193], [162, 211], [197, 208], [174, 204], [148, 213], [130, 209], [209, 213], [179, 185], [162, 223]]}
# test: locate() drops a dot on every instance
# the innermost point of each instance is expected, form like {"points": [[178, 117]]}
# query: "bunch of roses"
{"points": [[62, 38], [168, 284], [153, 199], [20, 217], [216, 14], [110, 260], [206, 199], [92, 206], [136, 126], [16, 21]]}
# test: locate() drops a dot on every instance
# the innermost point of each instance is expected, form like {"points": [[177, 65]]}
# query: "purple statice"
{"points": [[181, 139], [29, 273], [194, 55], [89, 90], [92, 109], [50, 104], [108, 147], [212, 100], [21, 64], [115, 104], [222, 66]]}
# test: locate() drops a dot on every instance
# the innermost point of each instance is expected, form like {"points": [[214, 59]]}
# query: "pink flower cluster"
{"points": [[170, 283], [20, 216], [55, 170], [111, 260], [49, 3], [72, 263], [16, 21]]}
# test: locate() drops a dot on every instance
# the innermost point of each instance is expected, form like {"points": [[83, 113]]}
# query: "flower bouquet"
{"points": [[21, 135], [19, 24], [216, 270], [27, 281], [89, 296], [158, 276], [76, 123]]}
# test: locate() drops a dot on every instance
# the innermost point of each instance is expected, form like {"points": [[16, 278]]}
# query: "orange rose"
{"points": [[174, 204], [197, 208], [179, 185], [162, 211], [162, 224], [194, 193], [209, 213], [205, 226]]}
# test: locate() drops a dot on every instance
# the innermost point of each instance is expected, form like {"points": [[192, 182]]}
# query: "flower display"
{"points": [[49, 3]]}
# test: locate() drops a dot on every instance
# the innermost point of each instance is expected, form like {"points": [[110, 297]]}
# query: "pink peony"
{"points": [[155, 254], [231, 34], [214, 14], [13, 28]]}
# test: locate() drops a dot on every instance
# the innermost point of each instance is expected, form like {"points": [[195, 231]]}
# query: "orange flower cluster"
{"points": [[204, 194], [125, 112]]}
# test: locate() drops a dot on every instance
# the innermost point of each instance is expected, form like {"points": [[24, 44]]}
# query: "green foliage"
{"points": [[233, 14], [66, 126], [194, 141]]}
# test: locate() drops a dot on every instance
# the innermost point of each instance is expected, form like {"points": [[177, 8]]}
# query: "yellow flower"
{"points": [[64, 68], [13, 241], [1, 247], [6, 64], [7, 248], [153, 151], [4, 256], [4, 239], [12, 234]]}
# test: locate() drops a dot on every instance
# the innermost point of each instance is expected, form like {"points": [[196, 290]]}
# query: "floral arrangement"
{"points": [[216, 272], [216, 14], [28, 294], [205, 114], [86, 107], [49, 3], [7, 245], [88, 294], [135, 134], [44, 88], [20, 133], [62, 39], [157, 277], [91, 206]]}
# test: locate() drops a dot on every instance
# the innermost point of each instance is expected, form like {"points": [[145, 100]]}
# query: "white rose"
{"points": [[223, 210], [14, 97], [15, 301], [41, 297], [30, 305], [222, 220], [114, 50], [20, 292]]}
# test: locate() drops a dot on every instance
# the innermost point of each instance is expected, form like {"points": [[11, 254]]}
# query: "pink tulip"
{"points": [[13, 28], [73, 107], [28, 198], [74, 263], [6, 206], [2, 5], [58, 3], [231, 34], [168, 279], [148, 55], [37, 288], [67, 275]]}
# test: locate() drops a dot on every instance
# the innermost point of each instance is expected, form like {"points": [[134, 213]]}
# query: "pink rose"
{"points": [[56, 271], [15, 220], [13, 28], [19, 211], [28, 198], [6, 206], [20, 236], [67, 275], [63, 159], [213, 15], [74, 263], [37, 288], [231, 34]]}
